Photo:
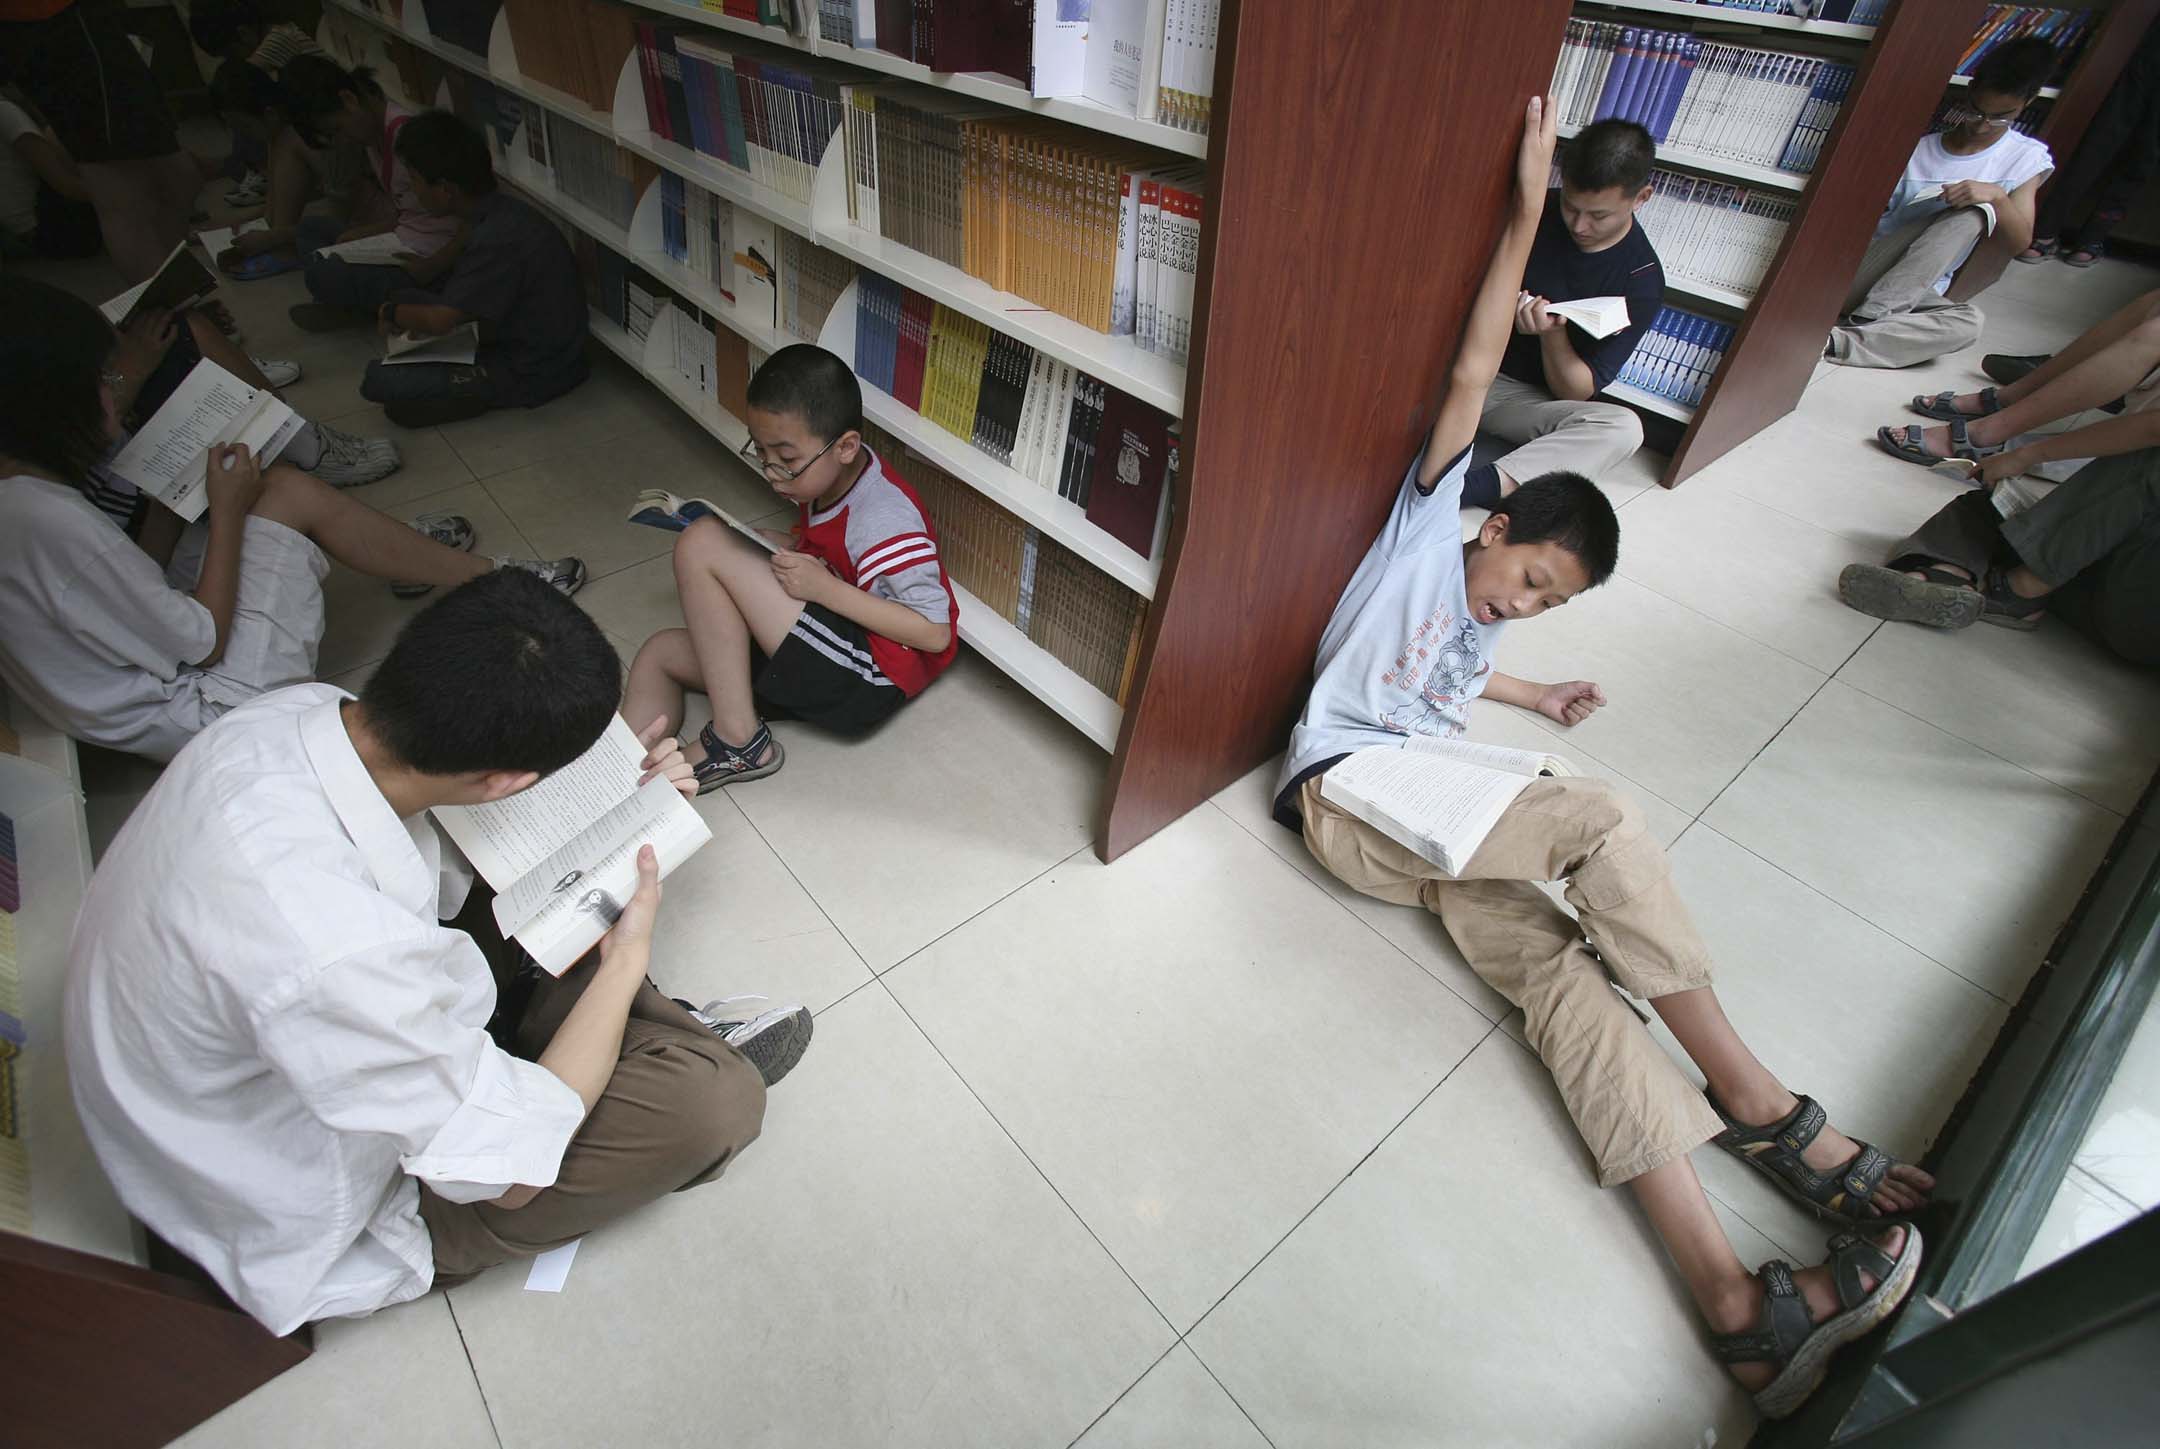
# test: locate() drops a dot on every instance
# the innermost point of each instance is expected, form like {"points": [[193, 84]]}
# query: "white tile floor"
{"points": [[1200, 1149]]}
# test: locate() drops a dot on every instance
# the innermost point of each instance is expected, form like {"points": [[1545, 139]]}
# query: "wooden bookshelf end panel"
{"points": [[1359, 161]]}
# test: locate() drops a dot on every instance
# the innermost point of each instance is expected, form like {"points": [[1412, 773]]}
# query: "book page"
{"points": [[168, 455], [179, 280], [1598, 316], [380, 250], [560, 909], [215, 240], [506, 838], [1440, 808], [459, 345], [1527, 763]]}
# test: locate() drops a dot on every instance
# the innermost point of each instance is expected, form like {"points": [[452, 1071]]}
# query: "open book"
{"points": [[658, 508], [169, 456], [459, 344], [1439, 797], [1935, 193], [217, 239], [1598, 316], [181, 281], [562, 856], [380, 250]]}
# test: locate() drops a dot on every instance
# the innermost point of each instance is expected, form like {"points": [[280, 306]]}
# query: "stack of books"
{"points": [[1677, 356], [2066, 30], [1714, 232], [769, 119], [1764, 107], [592, 170], [811, 281]]}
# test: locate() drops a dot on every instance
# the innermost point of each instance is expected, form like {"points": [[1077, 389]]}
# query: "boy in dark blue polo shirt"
{"points": [[1587, 245]]}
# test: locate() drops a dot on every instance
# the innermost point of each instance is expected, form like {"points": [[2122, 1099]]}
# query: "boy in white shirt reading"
{"points": [[1980, 178], [280, 1051], [1407, 650]]}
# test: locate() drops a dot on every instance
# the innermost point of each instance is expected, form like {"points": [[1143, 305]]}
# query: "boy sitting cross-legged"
{"points": [[847, 621], [1407, 650]]}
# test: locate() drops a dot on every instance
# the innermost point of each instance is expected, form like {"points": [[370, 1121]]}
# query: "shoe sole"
{"points": [[1889, 595], [1803, 1373], [775, 1050], [721, 782], [2023, 623]]}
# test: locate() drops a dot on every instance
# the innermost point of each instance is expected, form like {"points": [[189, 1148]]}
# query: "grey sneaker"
{"points": [[451, 530], [349, 460], [774, 1038], [566, 575], [275, 371]]}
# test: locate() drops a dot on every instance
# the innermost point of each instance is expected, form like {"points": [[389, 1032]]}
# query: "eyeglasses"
{"points": [[1968, 115], [779, 472]]}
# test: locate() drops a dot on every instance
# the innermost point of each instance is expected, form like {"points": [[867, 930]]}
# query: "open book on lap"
{"points": [[562, 856], [181, 281], [658, 508], [459, 345], [1598, 316], [381, 250], [1440, 798], [169, 455]]}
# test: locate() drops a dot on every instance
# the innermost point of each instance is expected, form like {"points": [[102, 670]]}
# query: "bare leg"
{"points": [[729, 597], [2099, 377], [1747, 1090], [665, 667], [1728, 1295], [360, 538], [136, 210], [216, 347], [2087, 344]]}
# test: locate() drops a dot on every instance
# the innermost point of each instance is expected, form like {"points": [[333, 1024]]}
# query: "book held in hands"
{"points": [[1598, 316], [181, 280], [1441, 798], [562, 856], [169, 456]]}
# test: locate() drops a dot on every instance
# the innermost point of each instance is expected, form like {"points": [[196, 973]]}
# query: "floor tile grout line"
{"points": [[474, 1368], [1122, 1394], [1066, 859], [1235, 1402], [1028, 1158]]}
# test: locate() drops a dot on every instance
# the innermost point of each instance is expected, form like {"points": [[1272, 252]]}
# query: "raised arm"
{"points": [[1492, 314]]}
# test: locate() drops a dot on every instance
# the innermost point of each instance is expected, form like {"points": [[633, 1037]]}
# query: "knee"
{"points": [[1609, 810], [719, 1110], [1619, 423], [699, 546], [371, 387]]}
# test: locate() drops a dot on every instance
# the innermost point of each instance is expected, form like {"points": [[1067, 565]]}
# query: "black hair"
{"points": [[1609, 153], [500, 673], [54, 348], [312, 84], [215, 25], [248, 89], [440, 147], [816, 386], [1567, 509], [2015, 68]]}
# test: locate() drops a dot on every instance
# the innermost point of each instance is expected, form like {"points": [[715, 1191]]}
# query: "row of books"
{"points": [[1081, 616], [1851, 12], [575, 46], [769, 119], [1713, 231], [2066, 30], [1187, 89], [1083, 225], [1043, 418], [592, 170], [697, 229], [1765, 107], [1678, 356]]}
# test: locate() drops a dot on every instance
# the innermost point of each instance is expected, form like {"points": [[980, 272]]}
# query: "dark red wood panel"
{"points": [[1900, 83], [1358, 166], [2103, 60]]}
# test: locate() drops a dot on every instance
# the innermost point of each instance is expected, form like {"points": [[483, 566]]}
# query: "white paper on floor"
{"points": [[552, 1269]]}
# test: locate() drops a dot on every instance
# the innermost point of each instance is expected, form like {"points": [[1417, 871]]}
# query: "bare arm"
{"points": [[2125, 434], [235, 484], [53, 166], [1567, 376], [1492, 313], [421, 319], [1568, 703]]}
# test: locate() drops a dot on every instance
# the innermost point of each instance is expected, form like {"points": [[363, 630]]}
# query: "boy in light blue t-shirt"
{"points": [[1408, 648]]}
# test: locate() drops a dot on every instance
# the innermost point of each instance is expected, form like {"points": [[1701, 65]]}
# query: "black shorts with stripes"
{"points": [[824, 675]]}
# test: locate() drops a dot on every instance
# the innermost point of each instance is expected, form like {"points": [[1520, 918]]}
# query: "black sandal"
{"points": [[726, 764], [1774, 1151], [1943, 406], [1794, 1344]]}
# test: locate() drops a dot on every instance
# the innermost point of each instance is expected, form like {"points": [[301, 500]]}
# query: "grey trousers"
{"points": [[1893, 316], [1554, 436], [2096, 538]]}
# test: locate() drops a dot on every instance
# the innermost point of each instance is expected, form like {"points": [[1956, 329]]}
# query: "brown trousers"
{"points": [[1632, 1104], [680, 1106]]}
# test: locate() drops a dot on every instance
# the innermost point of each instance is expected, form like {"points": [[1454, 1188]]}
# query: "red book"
{"points": [[656, 117], [1135, 457], [916, 310]]}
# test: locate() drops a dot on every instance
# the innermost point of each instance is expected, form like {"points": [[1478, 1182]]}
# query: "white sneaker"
{"points": [[279, 373], [774, 1039], [249, 190], [565, 575], [349, 460]]}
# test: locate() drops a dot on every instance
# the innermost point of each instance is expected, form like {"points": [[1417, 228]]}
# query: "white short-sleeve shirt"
{"points": [[2014, 159], [272, 1038]]}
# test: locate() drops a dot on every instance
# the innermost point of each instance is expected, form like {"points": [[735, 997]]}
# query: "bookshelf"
{"points": [[1723, 17]]}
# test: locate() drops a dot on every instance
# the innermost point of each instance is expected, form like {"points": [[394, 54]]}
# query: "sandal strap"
{"points": [[723, 759], [1858, 1179], [1851, 1256], [1792, 1133], [1780, 1330]]}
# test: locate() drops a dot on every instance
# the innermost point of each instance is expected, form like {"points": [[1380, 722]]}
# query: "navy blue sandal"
{"points": [[726, 764]]}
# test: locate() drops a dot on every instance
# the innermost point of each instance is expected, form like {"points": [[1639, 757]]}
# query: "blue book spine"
{"points": [[1683, 72], [696, 76], [1626, 57], [1672, 379], [1649, 70]]}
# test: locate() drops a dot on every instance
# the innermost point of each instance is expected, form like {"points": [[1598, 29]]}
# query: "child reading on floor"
{"points": [[850, 618], [1407, 650]]}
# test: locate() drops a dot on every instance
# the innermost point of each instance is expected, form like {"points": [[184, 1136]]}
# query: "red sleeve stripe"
{"points": [[902, 552]]}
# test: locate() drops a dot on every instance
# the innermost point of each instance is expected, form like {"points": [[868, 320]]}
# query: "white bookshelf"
{"points": [[1709, 292], [1649, 402], [1730, 15]]}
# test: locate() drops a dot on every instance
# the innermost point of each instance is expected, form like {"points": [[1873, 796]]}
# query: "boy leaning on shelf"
{"points": [[1407, 650], [285, 1057], [1977, 180], [1587, 245], [850, 618]]}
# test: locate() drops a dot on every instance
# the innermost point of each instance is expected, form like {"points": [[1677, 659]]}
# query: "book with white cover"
{"points": [[1598, 316], [1441, 798], [380, 250], [217, 239], [562, 856], [169, 456], [458, 345], [180, 281], [1090, 49]]}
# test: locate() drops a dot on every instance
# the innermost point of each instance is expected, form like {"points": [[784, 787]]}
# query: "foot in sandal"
{"points": [[1819, 1167], [1782, 1327]]}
